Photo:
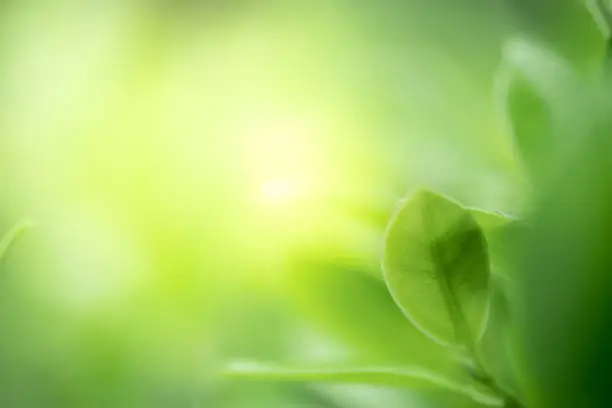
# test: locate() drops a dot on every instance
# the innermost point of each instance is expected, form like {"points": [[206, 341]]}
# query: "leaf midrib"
{"points": [[457, 318]]}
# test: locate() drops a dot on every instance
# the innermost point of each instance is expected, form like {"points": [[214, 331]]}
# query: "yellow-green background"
{"points": [[204, 173]]}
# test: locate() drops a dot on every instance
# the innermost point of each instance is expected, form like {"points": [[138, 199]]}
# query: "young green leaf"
{"points": [[491, 220], [497, 227], [371, 375], [436, 266]]}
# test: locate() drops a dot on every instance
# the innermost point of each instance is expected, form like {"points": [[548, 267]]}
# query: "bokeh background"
{"points": [[211, 180]]}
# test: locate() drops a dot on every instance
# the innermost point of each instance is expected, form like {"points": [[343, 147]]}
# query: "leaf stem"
{"points": [[462, 329], [481, 375]]}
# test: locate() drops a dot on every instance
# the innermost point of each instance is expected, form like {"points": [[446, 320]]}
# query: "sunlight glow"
{"points": [[281, 191], [284, 159]]}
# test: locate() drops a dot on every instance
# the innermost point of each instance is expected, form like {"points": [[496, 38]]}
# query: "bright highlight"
{"points": [[281, 191]]}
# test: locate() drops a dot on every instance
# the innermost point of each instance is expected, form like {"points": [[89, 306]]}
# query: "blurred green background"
{"points": [[211, 180]]}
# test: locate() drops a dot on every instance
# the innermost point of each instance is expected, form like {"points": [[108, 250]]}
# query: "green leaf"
{"points": [[436, 266], [497, 227], [351, 306], [526, 102], [371, 375], [545, 104], [11, 237], [491, 220]]}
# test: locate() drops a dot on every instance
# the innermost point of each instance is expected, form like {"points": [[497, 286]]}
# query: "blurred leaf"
{"points": [[564, 25], [491, 220], [436, 265], [438, 400], [11, 237], [526, 98], [498, 228], [602, 15], [354, 307], [495, 344], [546, 105], [384, 376], [565, 265]]}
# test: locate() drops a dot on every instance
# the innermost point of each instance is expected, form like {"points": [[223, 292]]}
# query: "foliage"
{"points": [[507, 298], [218, 181]]}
